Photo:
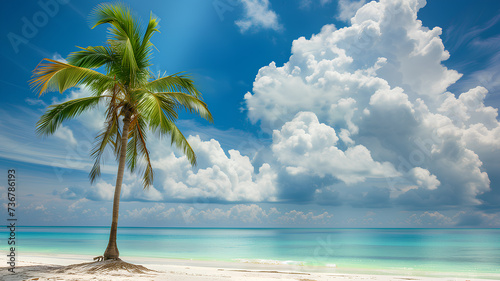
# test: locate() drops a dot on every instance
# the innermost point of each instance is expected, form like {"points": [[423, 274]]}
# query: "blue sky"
{"points": [[327, 114]]}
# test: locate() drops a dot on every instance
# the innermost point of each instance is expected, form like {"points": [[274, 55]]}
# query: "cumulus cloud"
{"points": [[156, 210], [468, 218], [295, 216], [236, 214], [132, 190], [378, 89], [219, 176], [258, 14], [428, 218], [101, 191], [306, 146], [244, 213], [347, 8], [423, 178], [66, 134]]}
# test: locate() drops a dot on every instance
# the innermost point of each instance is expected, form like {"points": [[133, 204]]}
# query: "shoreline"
{"points": [[30, 266]]}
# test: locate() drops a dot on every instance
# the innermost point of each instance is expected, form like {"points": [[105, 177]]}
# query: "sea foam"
{"points": [[274, 262]]}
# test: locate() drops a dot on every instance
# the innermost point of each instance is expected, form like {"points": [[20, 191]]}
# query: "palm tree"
{"points": [[134, 98]]}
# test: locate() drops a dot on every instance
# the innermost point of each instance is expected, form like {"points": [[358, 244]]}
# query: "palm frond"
{"points": [[148, 172], [137, 151], [174, 83], [105, 137], [128, 59], [132, 150], [92, 56], [56, 114], [150, 30], [190, 103], [108, 134], [55, 75], [177, 138], [119, 16], [157, 109], [125, 33], [144, 52]]}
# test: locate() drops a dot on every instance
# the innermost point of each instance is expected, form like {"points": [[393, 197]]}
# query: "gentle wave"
{"points": [[279, 262], [274, 262]]}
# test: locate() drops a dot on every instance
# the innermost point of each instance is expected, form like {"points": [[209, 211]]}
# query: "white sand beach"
{"points": [[42, 267]]}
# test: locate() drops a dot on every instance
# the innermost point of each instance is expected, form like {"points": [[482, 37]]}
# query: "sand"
{"points": [[56, 267]]}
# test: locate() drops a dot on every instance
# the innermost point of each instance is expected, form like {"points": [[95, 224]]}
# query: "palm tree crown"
{"points": [[135, 99], [130, 91]]}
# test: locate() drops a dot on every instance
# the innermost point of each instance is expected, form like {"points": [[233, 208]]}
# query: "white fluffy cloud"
{"points": [[431, 218], [236, 214], [304, 145], [244, 213], [258, 14], [218, 176], [348, 8], [65, 134], [380, 87], [295, 216], [423, 178], [132, 190], [156, 210]]}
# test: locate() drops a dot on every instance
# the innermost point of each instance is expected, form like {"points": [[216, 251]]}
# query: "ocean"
{"points": [[473, 253]]}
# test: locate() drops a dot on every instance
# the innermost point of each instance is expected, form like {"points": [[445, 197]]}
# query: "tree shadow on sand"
{"points": [[107, 267], [103, 267]]}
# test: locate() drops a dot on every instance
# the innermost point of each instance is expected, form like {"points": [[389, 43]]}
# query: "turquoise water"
{"points": [[460, 252]]}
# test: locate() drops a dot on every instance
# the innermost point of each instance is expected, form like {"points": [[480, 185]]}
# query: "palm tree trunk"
{"points": [[112, 250]]}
